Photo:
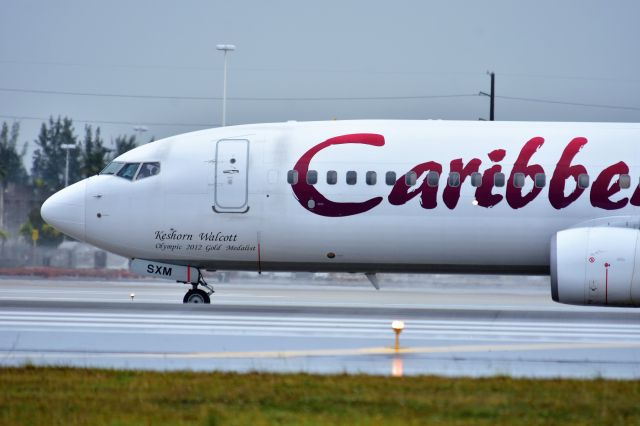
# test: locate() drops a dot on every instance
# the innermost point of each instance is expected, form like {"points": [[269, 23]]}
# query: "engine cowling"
{"points": [[596, 266]]}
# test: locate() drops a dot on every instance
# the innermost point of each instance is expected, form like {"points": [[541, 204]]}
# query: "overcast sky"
{"points": [[583, 52]]}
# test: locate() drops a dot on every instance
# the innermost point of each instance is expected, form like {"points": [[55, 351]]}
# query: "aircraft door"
{"points": [[232, 176]]}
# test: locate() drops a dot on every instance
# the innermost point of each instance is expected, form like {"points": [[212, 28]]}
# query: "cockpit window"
{"points": [[148, 169], [112, 168], [128, 171]]}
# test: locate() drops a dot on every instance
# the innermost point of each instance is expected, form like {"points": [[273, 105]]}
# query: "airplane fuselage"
{"points": [[365, 196]]}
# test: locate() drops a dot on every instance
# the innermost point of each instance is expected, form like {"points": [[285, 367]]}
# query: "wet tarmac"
{"points": [[453, 327]]}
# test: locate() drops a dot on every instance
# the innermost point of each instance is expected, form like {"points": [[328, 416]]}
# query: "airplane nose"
{"points": [[64, 210]]}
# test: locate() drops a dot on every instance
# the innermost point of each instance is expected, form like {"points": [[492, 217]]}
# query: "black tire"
{"points": [[196, 296]]}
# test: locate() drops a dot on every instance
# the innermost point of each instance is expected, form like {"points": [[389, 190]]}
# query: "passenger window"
{"points": [[454, 179], [128, 171], [518, 180], [112, 168], [312, 177], [540, 180], [476, 179], [583, 180], [371, 178], [625, 181], [148, 169], [332, 177], [390, 178], [292, 177], [352, 177], [410, 178], [432, 179], [498, 179]]}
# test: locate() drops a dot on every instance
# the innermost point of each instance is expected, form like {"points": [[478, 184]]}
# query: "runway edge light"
{"points": [[397, 326]]}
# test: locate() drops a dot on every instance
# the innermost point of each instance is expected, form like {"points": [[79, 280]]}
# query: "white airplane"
{"points": [[375, 196]]}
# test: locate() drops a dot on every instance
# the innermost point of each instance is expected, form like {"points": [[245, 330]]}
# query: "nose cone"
{"points": [[64, 210]]}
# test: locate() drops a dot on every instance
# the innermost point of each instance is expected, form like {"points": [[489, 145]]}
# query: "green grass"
{"points": [[66, 396]]}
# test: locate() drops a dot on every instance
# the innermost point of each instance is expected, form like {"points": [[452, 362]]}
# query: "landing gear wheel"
{"points": [[196, 296]]}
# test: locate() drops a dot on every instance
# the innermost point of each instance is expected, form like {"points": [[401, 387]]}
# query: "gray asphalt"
{"points": [[457, 326]]}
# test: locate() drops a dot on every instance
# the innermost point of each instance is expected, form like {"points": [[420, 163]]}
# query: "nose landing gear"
{"points": [[198, 295]]}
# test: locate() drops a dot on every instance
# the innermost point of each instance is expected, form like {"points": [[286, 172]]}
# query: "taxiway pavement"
{"points": [[455, 325]]}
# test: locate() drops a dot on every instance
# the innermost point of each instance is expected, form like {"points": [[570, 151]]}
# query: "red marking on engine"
{"points": [[592, 259], [606, 283]]}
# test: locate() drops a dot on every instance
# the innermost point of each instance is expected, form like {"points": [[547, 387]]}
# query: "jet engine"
{"points": [[596, 266]]}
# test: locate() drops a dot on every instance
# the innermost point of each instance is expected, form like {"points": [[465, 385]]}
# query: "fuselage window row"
{"points": [[433, 179]]}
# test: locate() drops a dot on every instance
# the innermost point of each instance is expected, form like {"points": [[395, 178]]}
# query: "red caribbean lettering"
{"points": [[451, 194], [564, 170], [601, 190], [312, 200], [514, 195], [400, 193], [635, 198], [484, 193]]}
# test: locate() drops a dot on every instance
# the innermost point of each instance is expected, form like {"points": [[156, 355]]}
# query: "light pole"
{"points": [[225, 48], [492, 95], [67, 147]]}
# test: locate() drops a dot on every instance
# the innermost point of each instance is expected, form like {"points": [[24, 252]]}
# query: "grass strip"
{"points": [[69, 396]]}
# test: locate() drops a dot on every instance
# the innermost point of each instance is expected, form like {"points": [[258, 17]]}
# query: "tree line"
{"points": [[47, 174]]}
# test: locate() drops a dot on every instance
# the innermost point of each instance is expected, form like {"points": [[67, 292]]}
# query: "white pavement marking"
{"points": [[14, 321]]}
